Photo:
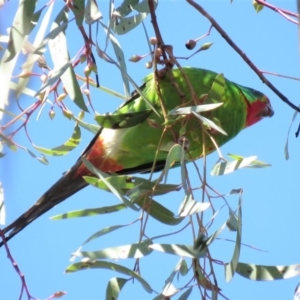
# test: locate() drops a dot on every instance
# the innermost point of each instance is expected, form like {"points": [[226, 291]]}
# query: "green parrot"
{"points": [[143, 147]]}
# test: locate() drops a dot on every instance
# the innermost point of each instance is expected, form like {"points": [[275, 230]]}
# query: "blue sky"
{"points": [[271, 197]]}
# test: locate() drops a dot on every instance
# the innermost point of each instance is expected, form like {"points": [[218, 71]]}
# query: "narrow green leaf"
{"points": [[91, 12], [114, 288], [209, 123], [110, 266], [223, 168], [193, 207], [120, 58], [254, 164], [89, 212], [90, 127], [197, 109], [60, 55], [267, 273], [169, 290], [68, 146], [117, 121], [8, 142], [177, 249], [126, 24], [143, 6], [174, 156], [186, 294], [32, 57], [116, 191], [14, 86], [230, 268], [217, 90], [55, 75], [77, 9], [101, 87], [42, 159], [100, 233], [157, 211], [22, 26], [183, 270], [136, 250], [126, 6], [214, 236], [128, 183]]}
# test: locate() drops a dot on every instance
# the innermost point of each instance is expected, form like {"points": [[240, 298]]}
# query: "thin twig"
{"points": [[242, 54], [16, 267]]}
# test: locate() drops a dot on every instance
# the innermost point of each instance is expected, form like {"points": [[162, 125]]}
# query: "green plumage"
{"points": [[134, 149], [137, 145]]}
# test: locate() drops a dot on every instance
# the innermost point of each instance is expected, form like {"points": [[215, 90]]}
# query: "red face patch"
{"points": [[257, 110]]}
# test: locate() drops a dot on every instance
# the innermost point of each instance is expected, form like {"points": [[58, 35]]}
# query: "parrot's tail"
{"points": [[68, 185]]}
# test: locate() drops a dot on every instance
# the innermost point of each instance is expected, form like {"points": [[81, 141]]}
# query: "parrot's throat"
{"points": [[97, 155]]}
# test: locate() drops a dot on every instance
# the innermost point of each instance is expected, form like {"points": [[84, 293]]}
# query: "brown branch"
{"points": [[242, 54], [16, 267]]}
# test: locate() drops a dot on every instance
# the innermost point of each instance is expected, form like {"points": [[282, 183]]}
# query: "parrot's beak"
{"points": [[268, 112]]}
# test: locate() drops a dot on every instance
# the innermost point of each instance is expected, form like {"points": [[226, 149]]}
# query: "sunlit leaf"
{"points": [[117, 121], [158, 211], [120, 58], [60, 56], [77, 9], [174, 156], [89, 212], [8, 142], [116, 191], [42, 159], [186, 294], [197, 109], [90, 127], [230, 268], [128, 183], [32, 57], [254, 164], [101, 87], [183, 270], [216, 92], [169, 289], [125, 24], [267, 273], [91, 12], [114, 288], [88, 264], [125, 7], [22, 26], [136, 250], [193, 207], [203, 280], [226, 167], [209, 123], [65, 148], [177, 249]]}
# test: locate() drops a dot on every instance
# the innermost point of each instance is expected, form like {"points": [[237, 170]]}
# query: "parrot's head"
{"points": [[258, 105]]}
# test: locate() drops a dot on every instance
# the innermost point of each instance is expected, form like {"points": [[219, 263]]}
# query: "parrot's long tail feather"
{"points": [[62, 189]]}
